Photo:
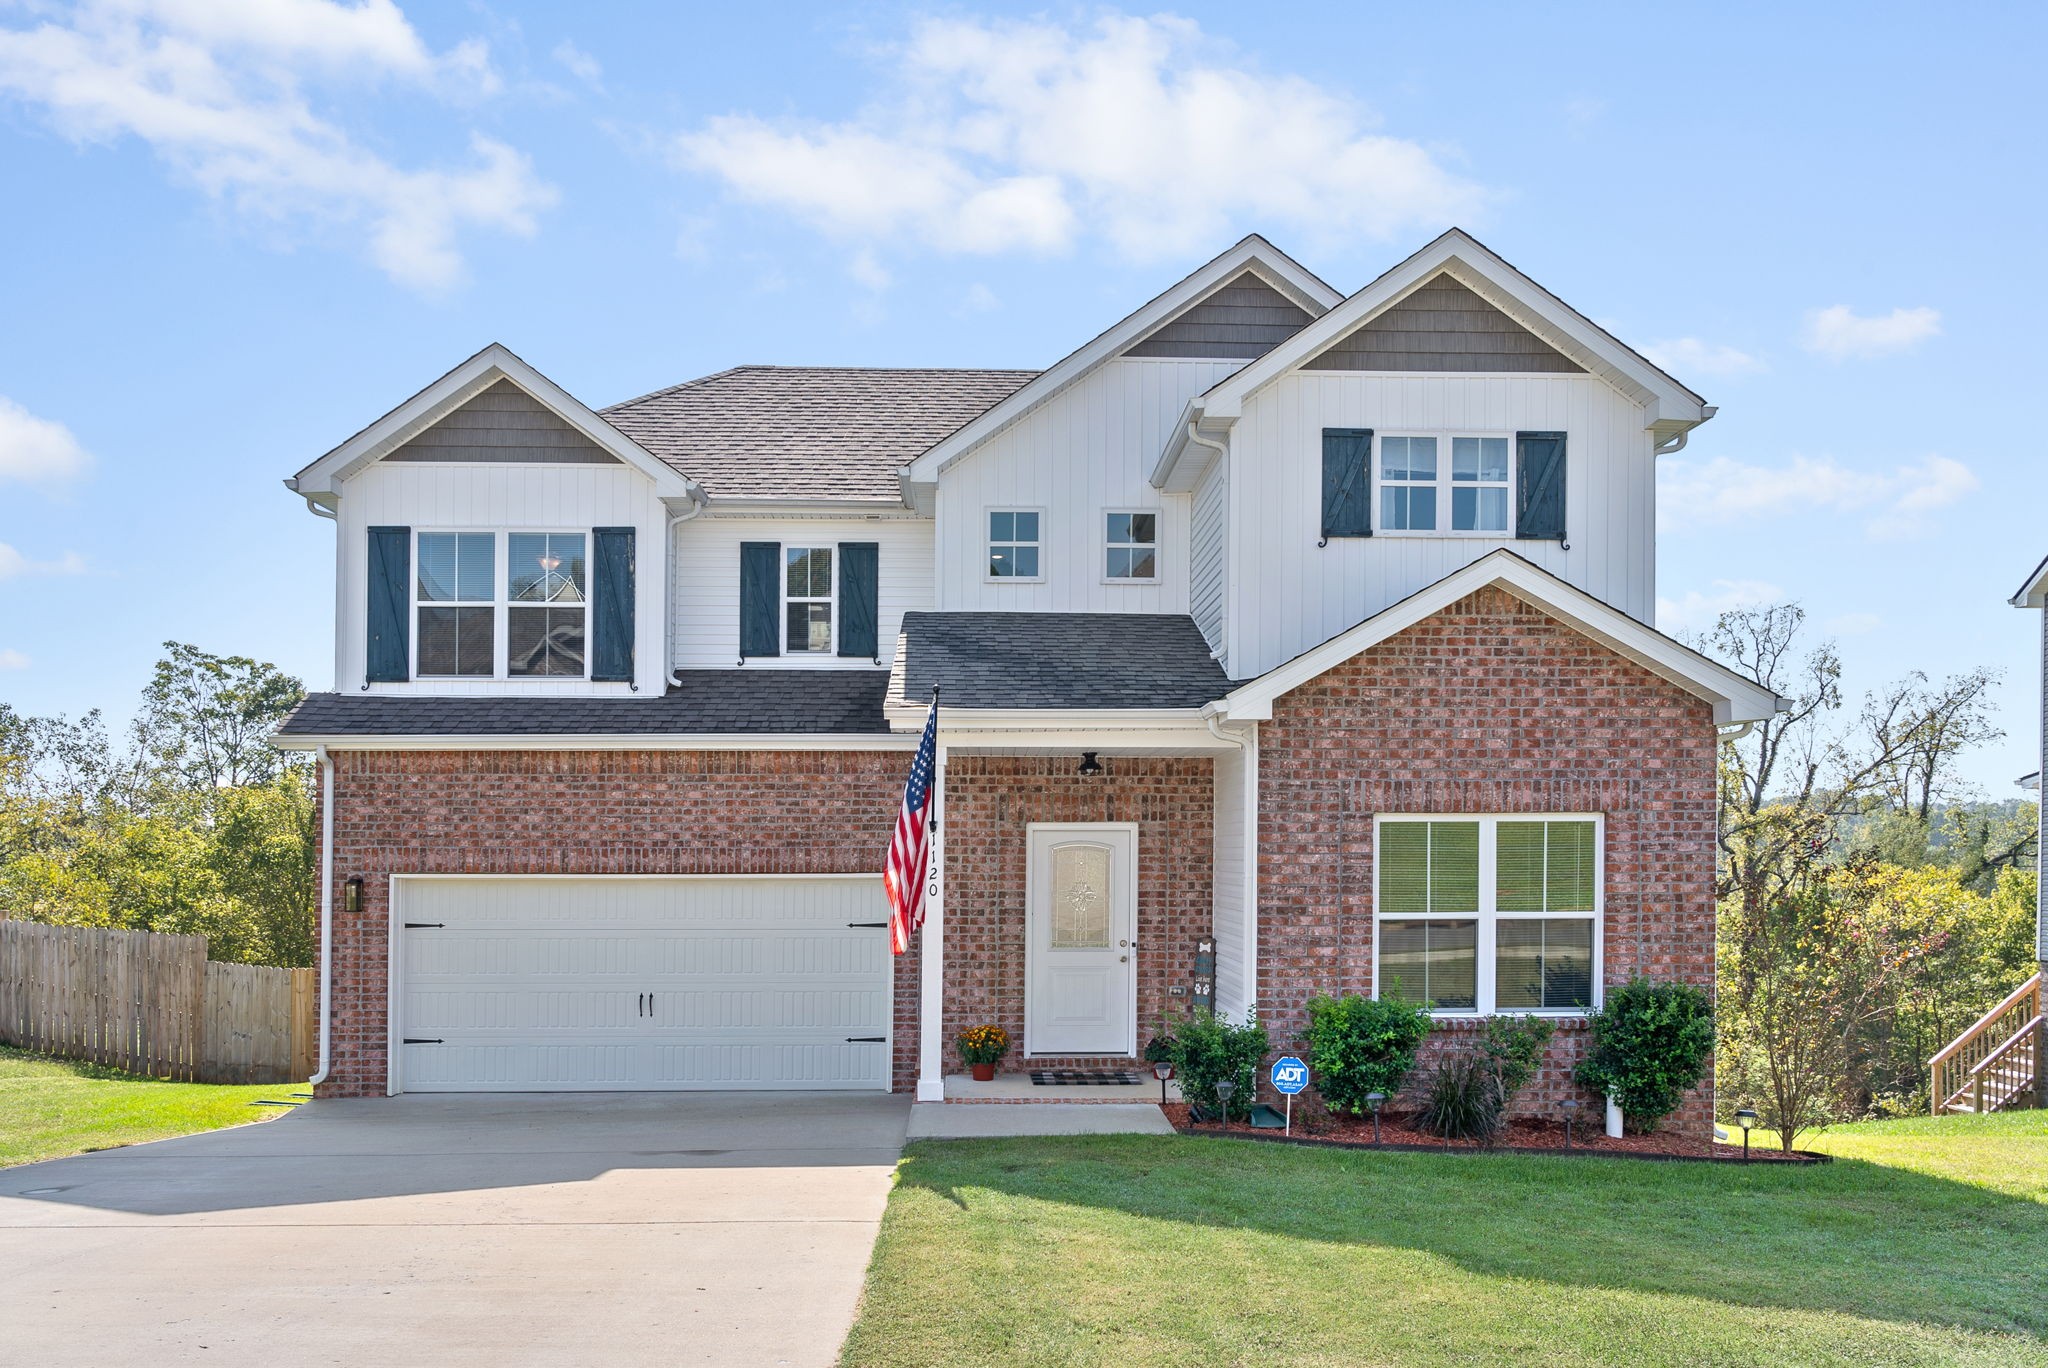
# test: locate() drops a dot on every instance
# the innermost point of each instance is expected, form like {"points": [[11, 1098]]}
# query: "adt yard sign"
{"points": [[1290, 1076]]}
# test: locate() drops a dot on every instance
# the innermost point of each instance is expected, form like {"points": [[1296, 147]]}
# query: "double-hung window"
{"points": [[1013, 544], [456, 603], [1446, 484], [1489, 914], [547, 576], [807, 599], [1132, 548]]}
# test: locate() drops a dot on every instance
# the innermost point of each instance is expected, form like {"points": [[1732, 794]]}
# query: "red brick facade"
{"points": [[990, 803], [1487, 707], [628, 812]]}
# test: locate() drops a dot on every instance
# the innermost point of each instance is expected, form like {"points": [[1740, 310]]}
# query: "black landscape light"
{"points": [[1570, 1108], [1374, 1100], [1745, 1117], [1223, 1091], [1162, 1071], [1089, 764]]}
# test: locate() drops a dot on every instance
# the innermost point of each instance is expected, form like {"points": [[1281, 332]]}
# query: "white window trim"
{"points": [[1442, 484], [1105, 546], [987, 542], [1489, 919], [501, 604], [831, 652]]}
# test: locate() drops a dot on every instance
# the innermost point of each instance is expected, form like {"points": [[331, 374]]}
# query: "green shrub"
{"points": [[1649, 1047], [1207, 1049], [1470, 1092], [1361, 1045]]}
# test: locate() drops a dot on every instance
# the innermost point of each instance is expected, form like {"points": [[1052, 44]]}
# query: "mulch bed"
{"points": [[1526, 1136]]}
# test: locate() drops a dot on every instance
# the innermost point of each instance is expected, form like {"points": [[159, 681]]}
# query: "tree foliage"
{"points": [[197, 825]]}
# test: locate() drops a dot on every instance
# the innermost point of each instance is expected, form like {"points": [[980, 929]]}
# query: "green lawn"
{"points": [[53, 1107], [1925, 1242]]}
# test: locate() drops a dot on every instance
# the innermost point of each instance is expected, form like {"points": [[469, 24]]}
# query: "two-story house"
{"points": [[1317, 627]]}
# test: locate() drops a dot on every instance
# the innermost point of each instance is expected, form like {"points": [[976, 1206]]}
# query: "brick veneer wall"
{"points": [[580, 812], [990, 803], [1489, 706]]}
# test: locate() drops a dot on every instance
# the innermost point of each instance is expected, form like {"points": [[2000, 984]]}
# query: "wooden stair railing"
{"points": [[1980, 1066]]}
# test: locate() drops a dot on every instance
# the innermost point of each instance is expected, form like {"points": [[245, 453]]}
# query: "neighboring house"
{"points": [[1315, 626]]}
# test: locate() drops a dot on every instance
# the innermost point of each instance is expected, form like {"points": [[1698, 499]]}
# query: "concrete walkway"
{"points": [[609, 1229], [980, 1120]]}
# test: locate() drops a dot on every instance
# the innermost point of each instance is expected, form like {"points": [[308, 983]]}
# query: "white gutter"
{"points": [[534, 741], [326, 762], [698, 503]]}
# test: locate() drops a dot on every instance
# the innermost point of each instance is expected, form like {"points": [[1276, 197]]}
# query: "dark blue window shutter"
{"points": [[1347, 482], [1539, 486], [612, 641], [388, 657], [760, 598], [860, 599]]}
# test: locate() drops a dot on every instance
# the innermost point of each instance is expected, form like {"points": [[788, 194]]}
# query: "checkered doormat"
{"points": [[1105, 1078]]}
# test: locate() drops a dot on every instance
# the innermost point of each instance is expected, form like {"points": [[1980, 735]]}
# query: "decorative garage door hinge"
{"points": [[866, 1040], [421, 926], [865, 924], [424, 1040]]}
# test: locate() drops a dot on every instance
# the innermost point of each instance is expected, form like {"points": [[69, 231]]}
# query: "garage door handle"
{"points": [[421, 926], [424, 1040], [867, 1040], [867, 924]]}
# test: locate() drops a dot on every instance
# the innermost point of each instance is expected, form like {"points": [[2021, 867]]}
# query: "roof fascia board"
{"points": [[1275, 266], [1664, 397], [1735, 699], [694, 741], [2034, 593], [912, 714], [728, 506], [463, 383]]}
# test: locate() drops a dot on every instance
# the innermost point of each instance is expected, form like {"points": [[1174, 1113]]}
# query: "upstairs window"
{"points": [[456, 603], [546, 582], [807, 599], [1489, 914], [1013, 544], [1469, 493], [1133, 547]]}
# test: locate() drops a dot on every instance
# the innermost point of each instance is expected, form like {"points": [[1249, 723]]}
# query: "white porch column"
{"points": [[931, 986]]}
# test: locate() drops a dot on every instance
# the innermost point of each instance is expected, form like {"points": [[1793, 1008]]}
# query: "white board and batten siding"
{"points": [[1209, 560], [639, 983], [1085, 452], [1298, 595], [516, 497], [707, 580]]}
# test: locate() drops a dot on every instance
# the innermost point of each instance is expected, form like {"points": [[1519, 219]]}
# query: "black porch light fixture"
{"points": [[1089, 764], [1375, 1100], [352, 895], [1745, 1117]]}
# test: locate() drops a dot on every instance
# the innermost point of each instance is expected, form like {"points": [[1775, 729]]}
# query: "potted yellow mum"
{"points": [[983, 1047]]}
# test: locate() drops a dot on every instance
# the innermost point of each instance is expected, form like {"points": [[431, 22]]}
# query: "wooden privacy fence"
{"points": [[153, 1004]]}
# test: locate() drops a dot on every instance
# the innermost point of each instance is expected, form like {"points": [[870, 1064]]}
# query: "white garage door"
{"points": [[546, 984]]}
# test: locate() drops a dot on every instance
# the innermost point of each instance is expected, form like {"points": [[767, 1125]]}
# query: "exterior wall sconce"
{"points": [[352, 895], [1089, 764]]}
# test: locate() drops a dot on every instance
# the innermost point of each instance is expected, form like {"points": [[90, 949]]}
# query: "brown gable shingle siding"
{"points": [[503, 424], [1443, 326], [808, 432], [1242, 320]]}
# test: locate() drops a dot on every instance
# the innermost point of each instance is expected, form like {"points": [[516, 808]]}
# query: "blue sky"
{"points": [[238, 231]]}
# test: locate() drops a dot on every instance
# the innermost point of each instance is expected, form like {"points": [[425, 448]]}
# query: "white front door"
{"points": [[1080, 963]]}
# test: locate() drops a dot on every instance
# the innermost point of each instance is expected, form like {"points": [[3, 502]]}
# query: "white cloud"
{"points": [[1894, 505], [1853, 624], [868, 272], [581, 64], [13, 563], [1840, 334], [36, 450], [214, 87], [1683, 356], [12, 659], [1698, 609], [994, 136], [978, 299]]}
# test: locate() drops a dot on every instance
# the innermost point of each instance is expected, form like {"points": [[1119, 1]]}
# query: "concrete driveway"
{"points": [[605, 1229]]}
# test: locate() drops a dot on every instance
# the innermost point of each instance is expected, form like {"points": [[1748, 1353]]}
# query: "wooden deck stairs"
{"points": [[1996, 1065]]}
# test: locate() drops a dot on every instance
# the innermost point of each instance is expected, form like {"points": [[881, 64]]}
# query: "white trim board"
{"points": [[1734, 698]]}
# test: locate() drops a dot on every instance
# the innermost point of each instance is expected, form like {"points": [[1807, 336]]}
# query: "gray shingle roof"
{"points": [[1056, 660], [744, 701], [807, 432]]}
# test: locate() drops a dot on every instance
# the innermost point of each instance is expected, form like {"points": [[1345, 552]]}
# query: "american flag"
{"points": [[910, 849]]}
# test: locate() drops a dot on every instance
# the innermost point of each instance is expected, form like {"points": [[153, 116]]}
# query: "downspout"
{"points": [[698, 501], [326, 763]]}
